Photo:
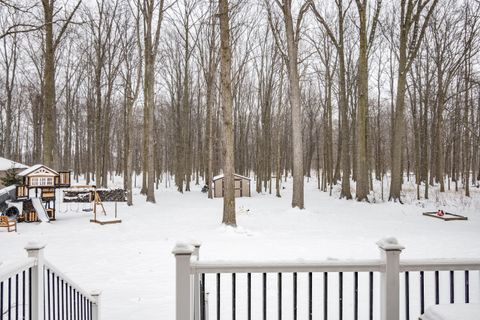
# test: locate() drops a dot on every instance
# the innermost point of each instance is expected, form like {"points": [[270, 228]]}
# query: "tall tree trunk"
{"points": [[296, 106], [227, 107]]}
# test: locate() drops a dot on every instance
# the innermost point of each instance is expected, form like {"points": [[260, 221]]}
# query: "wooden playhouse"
{"points": [[38, 191], [242, 186]]}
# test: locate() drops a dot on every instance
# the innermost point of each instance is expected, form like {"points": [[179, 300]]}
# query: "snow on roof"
{"points": [[6, 164], [220, 176], [34, 168], [7, 189]]}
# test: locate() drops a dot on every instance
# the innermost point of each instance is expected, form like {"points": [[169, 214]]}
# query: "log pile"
{"points": [[87, 195]]}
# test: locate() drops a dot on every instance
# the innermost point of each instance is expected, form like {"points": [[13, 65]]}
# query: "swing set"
{"points": [[90, 194]]}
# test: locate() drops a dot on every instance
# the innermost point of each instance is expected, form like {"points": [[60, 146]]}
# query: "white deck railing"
{"points": [[191, 297], [32, 288]]}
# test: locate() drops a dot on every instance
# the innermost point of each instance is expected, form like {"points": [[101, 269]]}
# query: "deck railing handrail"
{"points": [[439, 264], [36, 269], [190, 270], [69, 281], [12, 268], [373, 265]]}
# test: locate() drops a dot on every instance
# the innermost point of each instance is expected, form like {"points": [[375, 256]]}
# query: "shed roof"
{"points": [[6, 164], [35, 168], [220, 176]]}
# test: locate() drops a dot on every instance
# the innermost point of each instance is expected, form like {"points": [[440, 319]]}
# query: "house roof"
{"points": [[220, 176], [6, 164], [34, 168]]}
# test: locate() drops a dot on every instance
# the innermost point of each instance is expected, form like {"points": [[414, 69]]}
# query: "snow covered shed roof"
{"points": [[6, 164], [220, 176], [34, 168]]}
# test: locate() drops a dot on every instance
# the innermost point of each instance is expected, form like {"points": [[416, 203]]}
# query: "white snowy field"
{"points": [[132, 262]]}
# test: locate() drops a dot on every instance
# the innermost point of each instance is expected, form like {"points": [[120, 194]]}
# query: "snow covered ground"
{"points": [[132, 262]]}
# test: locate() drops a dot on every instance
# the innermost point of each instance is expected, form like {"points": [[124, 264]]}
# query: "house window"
{"points": [[41, 181]]}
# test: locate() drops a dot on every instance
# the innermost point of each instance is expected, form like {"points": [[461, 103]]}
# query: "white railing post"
{"points": [[96, 304], [196, 284], [183, 253], [390, 251], [35, 250]]}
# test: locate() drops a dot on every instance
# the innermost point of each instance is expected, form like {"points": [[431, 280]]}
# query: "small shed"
{"points": [[242, 186], [7, 164]]}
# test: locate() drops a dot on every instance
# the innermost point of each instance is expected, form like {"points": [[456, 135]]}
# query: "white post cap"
{"points": [[390, 244], [95, 293], [196, 243], [182, 248], [34, 245]]}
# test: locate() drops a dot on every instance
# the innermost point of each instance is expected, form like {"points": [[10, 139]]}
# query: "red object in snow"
{"points": [[440, 213]]}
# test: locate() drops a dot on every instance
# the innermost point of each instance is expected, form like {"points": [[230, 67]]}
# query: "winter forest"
{"points": [[322, 157], [343, 90]]}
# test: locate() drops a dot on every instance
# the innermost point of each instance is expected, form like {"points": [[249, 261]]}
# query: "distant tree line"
{"points": [[340, 89]]}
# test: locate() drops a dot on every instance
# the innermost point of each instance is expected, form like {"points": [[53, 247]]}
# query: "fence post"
{"points": [[390, 251], [96, 304], [35, 250], [183, 253], [196, 284]]}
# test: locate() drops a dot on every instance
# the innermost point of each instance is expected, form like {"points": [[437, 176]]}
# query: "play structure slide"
{"points": [[41, 213]]}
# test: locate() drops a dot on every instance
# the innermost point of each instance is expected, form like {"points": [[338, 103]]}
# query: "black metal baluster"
{"points": [[70, 302], [202, 297], [325, 295], [67, 302], [467, 287], [310, 293], [63, 300], [340, 295], [264, 282], [53, 295], [437, 287], [234, 299], [279, 296], [249, 296], [452, 287], [1, 300], [218, 296], [9, 298], [30, 293], [16, 296], [24, 303], [355, 295], [48, 292], [58, 297], [370, 294], [44, 295], [407, 295], [422, 292], [294, 296]]}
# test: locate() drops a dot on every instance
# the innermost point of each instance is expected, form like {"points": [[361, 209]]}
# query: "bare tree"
{"points": [[292, 34], [226, 97], [412, 31], [151, 42], [362, 110]]}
